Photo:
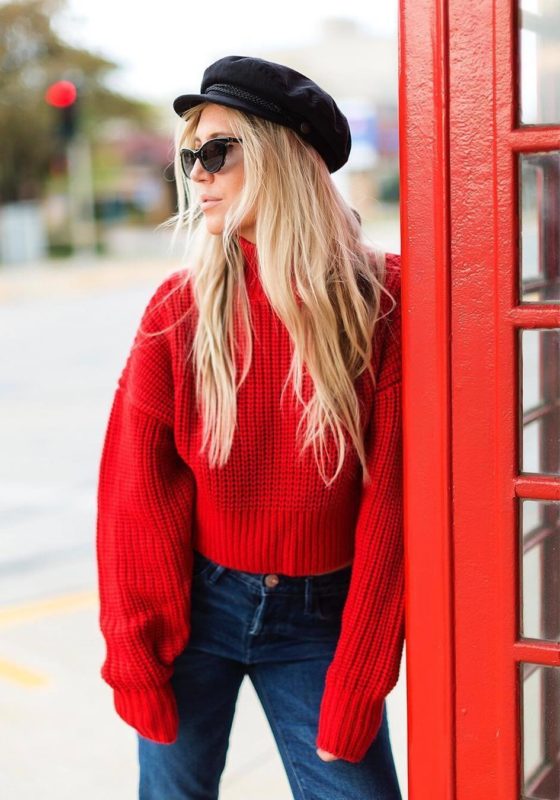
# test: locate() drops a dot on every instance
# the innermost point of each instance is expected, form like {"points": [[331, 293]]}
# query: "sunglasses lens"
{"points": [[187, 160], [213, 155]]}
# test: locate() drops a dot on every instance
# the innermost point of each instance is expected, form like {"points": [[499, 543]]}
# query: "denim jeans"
{"points": [[281, 631]]}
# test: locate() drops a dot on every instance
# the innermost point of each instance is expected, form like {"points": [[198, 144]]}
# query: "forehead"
{"points": [[213, 120]]}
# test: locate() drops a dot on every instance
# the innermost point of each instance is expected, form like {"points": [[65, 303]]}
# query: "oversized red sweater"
{"points": [[266, 510]]}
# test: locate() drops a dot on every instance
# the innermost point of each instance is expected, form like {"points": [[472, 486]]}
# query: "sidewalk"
{"points": [[70, 276]]}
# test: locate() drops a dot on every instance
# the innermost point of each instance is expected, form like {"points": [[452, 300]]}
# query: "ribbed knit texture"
{"points": [[266, 510]]}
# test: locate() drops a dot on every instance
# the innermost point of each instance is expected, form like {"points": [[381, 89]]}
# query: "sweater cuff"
{"points": [[349, 721], [152, 712]]}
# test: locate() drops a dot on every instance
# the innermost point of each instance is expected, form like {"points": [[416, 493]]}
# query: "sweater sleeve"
{"points": [[144, 503], [366, 662]]}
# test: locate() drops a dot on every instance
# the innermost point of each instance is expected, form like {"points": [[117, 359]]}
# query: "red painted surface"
{"points": [[426, 408], [461, 321]]}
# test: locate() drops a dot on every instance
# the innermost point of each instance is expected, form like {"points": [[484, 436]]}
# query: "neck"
{"points": [[249, 233]]}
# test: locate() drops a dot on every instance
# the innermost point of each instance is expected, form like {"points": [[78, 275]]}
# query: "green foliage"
{"points": [[389, 188], [33, 56]]}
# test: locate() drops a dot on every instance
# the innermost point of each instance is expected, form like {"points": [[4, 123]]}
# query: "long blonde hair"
{"points": [[308, 239]]}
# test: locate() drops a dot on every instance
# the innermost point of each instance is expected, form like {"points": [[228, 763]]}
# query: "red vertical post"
{"points": [[425, 237], [484, 395]]}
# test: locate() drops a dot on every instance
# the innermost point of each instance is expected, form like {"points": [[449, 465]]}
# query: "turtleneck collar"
{"points": [[252, 279], [249, 249]]}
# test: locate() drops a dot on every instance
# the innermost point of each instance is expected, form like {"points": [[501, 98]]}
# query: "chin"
{"points": [[214, 227]]}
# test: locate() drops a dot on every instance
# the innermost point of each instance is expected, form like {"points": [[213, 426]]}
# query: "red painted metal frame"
{"points": [[484, 144], [484, 398], [460, 226], [423, 101]]}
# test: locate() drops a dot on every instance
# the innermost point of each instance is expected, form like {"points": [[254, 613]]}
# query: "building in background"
{"points": [[360, 70]]}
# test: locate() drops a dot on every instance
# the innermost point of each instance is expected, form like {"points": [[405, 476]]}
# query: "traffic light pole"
{"points": [[63, 96], [83, 232]]}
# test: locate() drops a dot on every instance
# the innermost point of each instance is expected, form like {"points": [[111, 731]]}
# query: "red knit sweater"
{"points": [[266, 510]]}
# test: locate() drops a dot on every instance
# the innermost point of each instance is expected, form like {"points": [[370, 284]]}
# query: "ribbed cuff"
{"points": [[348, 721], [152, 712]]}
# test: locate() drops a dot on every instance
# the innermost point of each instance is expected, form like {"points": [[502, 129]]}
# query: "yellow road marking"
{"points": [[20, 675], [30, 612]]}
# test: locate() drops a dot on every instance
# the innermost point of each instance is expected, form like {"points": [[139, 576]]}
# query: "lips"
{"points": [[208, 205], [207, 199]]}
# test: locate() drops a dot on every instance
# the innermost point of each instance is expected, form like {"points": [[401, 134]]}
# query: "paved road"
{"points": [[65, 332]]}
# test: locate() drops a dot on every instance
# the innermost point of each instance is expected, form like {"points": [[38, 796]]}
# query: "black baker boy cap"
{"points": [[280, 94]]}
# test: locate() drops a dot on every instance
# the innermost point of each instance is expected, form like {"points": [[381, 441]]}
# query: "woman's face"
{"points": [[217, 191]]}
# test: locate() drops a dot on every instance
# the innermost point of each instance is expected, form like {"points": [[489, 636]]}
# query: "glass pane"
{"points": [[531, 517], [540, 569], [539, 187], [539, 59], [540, 403], [540, 727]]}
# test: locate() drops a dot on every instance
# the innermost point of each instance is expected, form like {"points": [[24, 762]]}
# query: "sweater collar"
{"points": [[249, 250], [252, 278]]}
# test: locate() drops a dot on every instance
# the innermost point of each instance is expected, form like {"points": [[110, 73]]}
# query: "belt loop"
{"points": [[308, 594], [256, 623], [216, 572]]}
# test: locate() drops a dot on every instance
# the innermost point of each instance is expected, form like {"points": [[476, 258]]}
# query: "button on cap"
{"points": [[271, 580]]}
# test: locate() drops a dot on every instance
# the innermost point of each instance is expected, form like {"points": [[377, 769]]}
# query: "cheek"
{"points": [[236, 184], [229, 187]]}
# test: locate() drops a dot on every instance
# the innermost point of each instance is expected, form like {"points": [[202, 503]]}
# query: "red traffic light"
{"points": [[61, 94]]}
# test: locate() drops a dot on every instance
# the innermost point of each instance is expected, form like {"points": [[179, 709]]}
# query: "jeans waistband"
{"points": [[295, 583]]}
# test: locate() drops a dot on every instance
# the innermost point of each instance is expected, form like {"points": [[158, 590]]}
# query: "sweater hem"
{"points": [[293, 543]]}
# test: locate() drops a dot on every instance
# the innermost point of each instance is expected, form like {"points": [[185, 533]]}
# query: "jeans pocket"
{"points": [[201, 565], [329, 605]]}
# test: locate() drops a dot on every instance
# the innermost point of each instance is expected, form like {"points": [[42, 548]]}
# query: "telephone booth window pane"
{"points": [[539, 187], [540, 569], [540, 389], [540, 727], [539, 46]]}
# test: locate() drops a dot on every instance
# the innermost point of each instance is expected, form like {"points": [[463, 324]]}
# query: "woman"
{"points": [[226, 545]]}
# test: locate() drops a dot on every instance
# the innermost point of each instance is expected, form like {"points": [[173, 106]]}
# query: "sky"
{"points": [[163, 47]]}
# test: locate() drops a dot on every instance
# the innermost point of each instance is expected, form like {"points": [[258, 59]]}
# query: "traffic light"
{"points": [[63, 96]]}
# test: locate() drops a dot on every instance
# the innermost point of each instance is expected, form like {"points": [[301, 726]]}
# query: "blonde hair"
{"points": [[308, 239]]}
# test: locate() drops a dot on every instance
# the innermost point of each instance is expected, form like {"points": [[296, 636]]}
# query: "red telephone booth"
{"points": [[479, 86]]}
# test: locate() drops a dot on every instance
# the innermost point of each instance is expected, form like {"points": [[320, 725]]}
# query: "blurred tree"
{"points": [[32, 56], [389, 188]]}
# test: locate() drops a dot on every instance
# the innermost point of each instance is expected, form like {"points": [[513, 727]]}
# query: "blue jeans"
{"points": [[282, 632]]}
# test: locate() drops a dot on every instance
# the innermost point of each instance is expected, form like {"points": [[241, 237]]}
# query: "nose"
{"points": [[198, 173]]}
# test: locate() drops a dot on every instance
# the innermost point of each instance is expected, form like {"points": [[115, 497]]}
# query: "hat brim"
{"points": [[186, 101]]}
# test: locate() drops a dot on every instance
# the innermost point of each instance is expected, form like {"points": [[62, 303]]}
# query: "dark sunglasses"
{"points": [[212, 155]]}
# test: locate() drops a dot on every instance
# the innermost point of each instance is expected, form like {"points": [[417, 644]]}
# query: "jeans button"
{"points": [[271, 580]]}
